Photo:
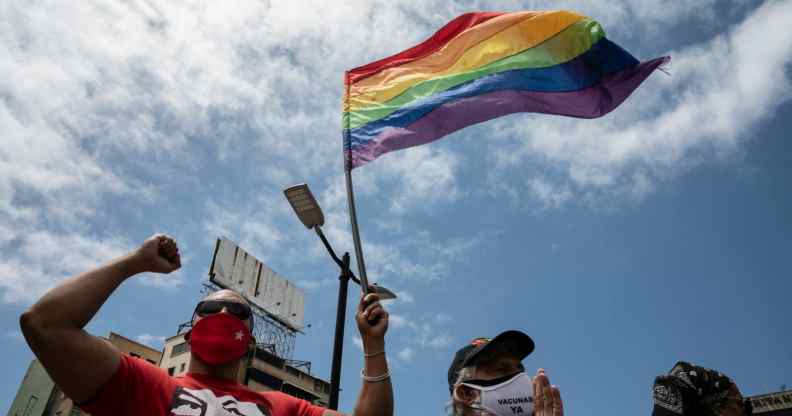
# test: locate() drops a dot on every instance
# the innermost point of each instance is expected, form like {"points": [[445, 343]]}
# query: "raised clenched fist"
{"points": [[158, 254]]}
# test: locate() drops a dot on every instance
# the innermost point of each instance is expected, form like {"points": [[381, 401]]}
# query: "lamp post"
{"points": [[310, 214]]}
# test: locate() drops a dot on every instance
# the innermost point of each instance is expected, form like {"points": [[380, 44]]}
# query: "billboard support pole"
{"points": [[338, 346]]}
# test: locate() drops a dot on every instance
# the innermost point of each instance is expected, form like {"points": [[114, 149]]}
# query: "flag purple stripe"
{"points": [[591, 102]]}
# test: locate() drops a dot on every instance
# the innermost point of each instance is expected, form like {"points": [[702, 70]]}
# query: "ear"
{"points": [[465, 394]]}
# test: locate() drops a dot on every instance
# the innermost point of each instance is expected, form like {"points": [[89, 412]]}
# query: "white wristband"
{"points": [[375, 379]]}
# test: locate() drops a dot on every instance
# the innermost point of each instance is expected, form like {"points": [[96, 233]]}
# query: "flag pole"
{"points": [[350, 192], [356, 233]]}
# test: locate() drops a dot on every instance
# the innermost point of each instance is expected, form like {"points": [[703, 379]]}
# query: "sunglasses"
{"points": [[209, 307]]}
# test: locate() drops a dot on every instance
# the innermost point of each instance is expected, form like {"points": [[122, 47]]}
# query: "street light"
{"points": [[310, 214]]}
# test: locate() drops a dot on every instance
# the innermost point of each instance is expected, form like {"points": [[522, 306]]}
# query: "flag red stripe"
{"points": [[434, 43]]}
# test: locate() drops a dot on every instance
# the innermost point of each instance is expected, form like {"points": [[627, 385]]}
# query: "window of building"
{"points": [[134, 355], [293, 371], [182, 367], [179, 349], [32, 400], [269, 358], [321, 387], [298, 392], [171, 370], [265, 379]]}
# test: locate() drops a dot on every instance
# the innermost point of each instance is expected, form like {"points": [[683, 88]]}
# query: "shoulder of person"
{"points": [[282, 403], [137, 387]]}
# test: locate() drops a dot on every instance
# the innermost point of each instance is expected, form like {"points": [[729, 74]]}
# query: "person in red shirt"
{"points": [[103, 381]]}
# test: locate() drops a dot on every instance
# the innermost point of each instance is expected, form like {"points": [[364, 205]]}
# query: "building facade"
{"points": [[39, 396], [267, 372], [34, 393], [772, 404]]}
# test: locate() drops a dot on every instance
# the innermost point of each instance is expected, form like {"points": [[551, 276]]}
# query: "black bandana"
{"points": [[690, 390]]}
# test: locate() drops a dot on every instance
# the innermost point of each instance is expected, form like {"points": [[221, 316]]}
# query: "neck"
{"points": [[231, 371]]}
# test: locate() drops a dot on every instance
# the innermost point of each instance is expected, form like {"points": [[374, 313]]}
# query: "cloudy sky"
{"points": [[621, 245]]}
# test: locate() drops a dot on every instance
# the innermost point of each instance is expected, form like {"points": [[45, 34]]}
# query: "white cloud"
{"points": [[404, 296], [163, 281], [397, 321], [84, 118], [416, 257], [252, 226], [549, 195], [311, 285], [427, 332], [357, 342], [425, 176], [406, 354], [439, 341], [155, 341], [36, 262]]}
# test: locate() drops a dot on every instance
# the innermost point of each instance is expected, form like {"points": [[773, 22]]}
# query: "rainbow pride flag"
{"points": [[481, 66]]}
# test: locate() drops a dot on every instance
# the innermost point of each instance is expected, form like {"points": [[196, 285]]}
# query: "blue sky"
{"points": [[657, 233]]}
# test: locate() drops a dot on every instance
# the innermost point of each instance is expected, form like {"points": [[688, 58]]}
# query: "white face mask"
{"points": [[512, 397]]}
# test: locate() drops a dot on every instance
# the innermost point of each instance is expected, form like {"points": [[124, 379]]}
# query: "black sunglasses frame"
{"points": [[240, 310]]}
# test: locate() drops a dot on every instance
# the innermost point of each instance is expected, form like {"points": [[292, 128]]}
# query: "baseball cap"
{"points": [[517, 343]]}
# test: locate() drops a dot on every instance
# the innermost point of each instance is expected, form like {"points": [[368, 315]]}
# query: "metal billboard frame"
{"points": [[272, 278]]}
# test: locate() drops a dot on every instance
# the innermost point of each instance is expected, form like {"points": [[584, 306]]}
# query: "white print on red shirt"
{"points": [[189, 402]]}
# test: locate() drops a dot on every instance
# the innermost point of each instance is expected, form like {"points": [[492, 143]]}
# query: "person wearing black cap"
{"points": [[487, 378]]}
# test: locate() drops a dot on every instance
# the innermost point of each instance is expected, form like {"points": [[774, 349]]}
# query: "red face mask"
{"points": [[219, 338]]}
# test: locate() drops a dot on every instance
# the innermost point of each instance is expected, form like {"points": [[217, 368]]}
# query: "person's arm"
{"points": [[376, 397], [78, 362]]}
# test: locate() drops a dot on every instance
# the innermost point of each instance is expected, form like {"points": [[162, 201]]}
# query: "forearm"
{"points": [[73, 303], [375, 398]]}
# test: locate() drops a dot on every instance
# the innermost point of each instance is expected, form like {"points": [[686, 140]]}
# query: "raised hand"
{"points": [[158, 254], [547, 398], [371, 317]]}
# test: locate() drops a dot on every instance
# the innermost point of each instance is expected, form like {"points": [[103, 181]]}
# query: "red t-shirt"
{"points": [[141, 389]]}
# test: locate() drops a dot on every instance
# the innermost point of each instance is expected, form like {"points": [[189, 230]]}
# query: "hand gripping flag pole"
{"points": [[351, 195]]}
